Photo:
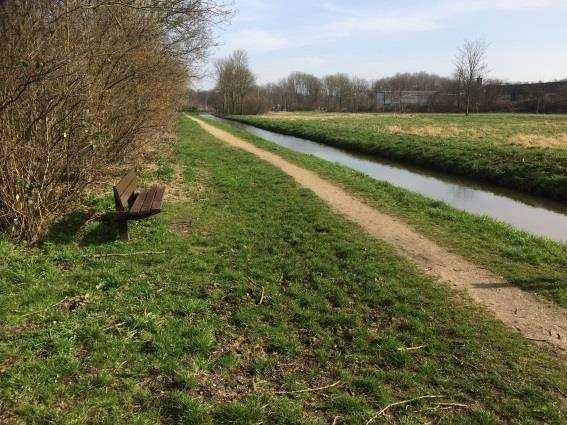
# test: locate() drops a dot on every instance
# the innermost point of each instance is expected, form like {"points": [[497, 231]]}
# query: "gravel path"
{"points": [[535, 318]]}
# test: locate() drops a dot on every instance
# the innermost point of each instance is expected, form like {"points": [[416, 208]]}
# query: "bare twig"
{"points": [[43, 310], [336, 419], [463, 406], [308, 390], [128, 254], [261, 297], [419, 347], [385, 409]]}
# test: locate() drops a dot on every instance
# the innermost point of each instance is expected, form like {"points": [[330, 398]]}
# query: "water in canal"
{"points": [[529, 213]]}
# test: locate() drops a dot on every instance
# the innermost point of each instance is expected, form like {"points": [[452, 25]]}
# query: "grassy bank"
{"points": [[525, 153], [236, 299], [534, 264]]}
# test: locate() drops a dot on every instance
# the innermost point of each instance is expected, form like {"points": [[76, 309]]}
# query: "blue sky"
{"points": [[376, 38]]}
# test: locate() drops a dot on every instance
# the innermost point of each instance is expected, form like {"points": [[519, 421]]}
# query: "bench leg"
{"points": [[123, 229]]}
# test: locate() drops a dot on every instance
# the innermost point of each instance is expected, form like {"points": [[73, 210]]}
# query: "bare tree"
{"points": [[361, 95], [234, 81], [471, 68], [338, 91]]}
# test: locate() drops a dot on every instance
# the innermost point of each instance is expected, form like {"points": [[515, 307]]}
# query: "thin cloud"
{"points": [[257, 40]]}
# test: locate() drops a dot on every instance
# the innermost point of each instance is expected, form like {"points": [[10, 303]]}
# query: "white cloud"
{"points": [[381, 20], [258, 31], [257, 41]]}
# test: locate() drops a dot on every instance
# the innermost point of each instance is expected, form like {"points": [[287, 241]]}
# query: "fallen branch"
{"points": [[43, 310], [463, 406], [261, 297], [308, 390], [419, 347], [129, 254], [385, 409], [57, 304]]}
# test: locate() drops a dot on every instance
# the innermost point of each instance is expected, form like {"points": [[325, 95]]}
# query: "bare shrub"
{"points": [[82, 83]]}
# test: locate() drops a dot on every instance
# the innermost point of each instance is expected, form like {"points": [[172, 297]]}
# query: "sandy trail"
{"points": [[536, 319]]}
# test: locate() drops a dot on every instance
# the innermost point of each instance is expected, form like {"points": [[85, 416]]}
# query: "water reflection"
{"points": [[528, 213]]}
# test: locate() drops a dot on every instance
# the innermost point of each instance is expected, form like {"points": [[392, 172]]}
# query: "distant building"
{"points": [[393, 99]]}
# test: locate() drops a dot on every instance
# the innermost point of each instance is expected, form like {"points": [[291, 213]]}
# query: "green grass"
{"points": [[534, 264], [489, 147], [260, 290]]}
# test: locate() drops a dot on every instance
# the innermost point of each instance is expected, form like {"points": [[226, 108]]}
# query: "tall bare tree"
{"points": [[471, 68], [234, 81]]}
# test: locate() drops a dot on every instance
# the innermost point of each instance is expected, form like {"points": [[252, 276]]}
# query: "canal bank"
{"points": [[531, 214], [534, 318]]}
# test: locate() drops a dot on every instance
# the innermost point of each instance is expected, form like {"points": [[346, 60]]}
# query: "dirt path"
{"points": [[535, 318]]}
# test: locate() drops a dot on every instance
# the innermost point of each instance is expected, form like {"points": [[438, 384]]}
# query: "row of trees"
{"points": [[467, 91], [236, 92], [82, 82], [333, 93]]}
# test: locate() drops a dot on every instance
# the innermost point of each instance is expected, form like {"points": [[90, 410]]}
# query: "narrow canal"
{"points": [[529, 213]]}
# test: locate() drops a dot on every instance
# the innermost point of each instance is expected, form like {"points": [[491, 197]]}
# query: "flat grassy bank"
{"points": [[525, 153], [247, 301], [534, 264]]}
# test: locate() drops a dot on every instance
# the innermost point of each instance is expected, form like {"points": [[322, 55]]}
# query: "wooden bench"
{"points": [[135, 203]]}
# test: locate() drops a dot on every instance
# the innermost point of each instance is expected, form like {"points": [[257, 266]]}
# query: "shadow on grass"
{"points": [[85, 228], [529, 284], [541, 283]]}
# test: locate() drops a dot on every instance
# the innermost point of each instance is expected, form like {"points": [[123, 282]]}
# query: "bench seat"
{"points": [[135, 203]]}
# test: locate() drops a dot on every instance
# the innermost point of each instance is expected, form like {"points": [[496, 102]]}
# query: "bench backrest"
{"points": [[124, 191]]}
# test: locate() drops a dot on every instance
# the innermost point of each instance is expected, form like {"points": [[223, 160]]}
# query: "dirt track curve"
{"points": [[536, 319]]}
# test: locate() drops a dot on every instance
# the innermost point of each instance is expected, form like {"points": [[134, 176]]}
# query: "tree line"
{"points": [[467, 90], [83, 82], [237, 93]]}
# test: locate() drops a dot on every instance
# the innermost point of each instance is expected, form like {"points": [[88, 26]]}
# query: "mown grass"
{"points": [[475, 146], [260, 291], [534, 264]]}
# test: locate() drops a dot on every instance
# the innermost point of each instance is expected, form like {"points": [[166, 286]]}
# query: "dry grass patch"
{"points": [[439, 132], [178, 190], [538, 141]]}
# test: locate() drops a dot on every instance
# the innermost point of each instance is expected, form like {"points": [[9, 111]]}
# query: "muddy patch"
{"points": [[73, 303], [181, 226]]}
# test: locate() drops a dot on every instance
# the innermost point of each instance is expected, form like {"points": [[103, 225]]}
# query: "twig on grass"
{"points": [[460, 405], [261, 297], [57, 304], [419, 347], [43, 310], [398, 403], [128, 254], [308, 390]]}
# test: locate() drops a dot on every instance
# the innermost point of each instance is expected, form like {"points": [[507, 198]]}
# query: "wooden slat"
{"points": [[139, 202], [156, 204], [146, 208], [125, 182], [126, 195]]}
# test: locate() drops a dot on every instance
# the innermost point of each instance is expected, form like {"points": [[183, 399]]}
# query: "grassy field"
{"points": [[534, 264], [523, 152], [248, 292]]}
